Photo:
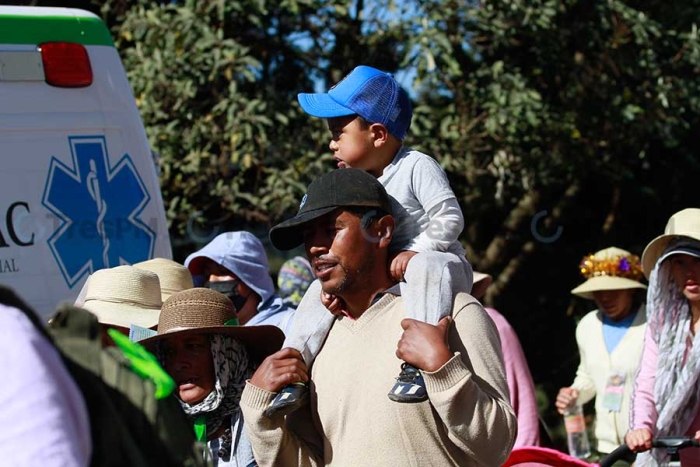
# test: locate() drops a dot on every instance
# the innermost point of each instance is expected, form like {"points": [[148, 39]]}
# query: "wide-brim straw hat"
{"points": [[609, 269], [482, 281], [174, 277], [124, 295], [685, 223], [205, 311]]}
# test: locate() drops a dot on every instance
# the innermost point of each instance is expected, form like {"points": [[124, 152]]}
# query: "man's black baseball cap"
{"points": [[339, 188]]}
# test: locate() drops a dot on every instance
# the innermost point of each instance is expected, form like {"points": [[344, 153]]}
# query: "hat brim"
{"points": [[656, 248], [680, 251], [290, 233], [122, 314], [260, 341], [195, 260], [601, 283], [322, 105], [482, 281]]}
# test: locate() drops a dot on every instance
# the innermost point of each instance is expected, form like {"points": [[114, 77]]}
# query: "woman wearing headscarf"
{"points": [[667, 391], [610, 340], [210, 357]]}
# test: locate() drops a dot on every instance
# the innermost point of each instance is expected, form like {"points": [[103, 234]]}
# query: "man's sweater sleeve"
{"points": [[470, 392], [280, 441]]}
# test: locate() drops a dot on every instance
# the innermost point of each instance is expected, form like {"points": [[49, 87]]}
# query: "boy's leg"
{"points": [[433, 278], [432, 281], [311, 324]]}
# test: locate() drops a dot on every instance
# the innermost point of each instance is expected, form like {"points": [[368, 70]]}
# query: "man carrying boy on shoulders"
{"points": [[346, 225]]}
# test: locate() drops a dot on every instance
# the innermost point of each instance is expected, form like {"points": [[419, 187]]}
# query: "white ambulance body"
{"points": [[78, 185]]}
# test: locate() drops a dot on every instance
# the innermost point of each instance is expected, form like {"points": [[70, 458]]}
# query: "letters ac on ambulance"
{"points": [[78, 186]]}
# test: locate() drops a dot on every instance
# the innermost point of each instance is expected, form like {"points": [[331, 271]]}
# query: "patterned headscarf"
{"points": [[294, 279], [676, 390], [232, 368]]}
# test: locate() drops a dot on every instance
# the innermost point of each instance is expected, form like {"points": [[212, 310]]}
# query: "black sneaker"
{"points": [[290, 398], [409, 386]]}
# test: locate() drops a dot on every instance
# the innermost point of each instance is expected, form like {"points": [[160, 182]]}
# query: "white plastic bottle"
{"points": [[576, 434]]}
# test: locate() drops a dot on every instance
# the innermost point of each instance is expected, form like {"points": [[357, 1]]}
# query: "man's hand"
{"points": [[639, 440], [280, 369], [424, 345], [334, 304], [399, 263], [565, 399]]}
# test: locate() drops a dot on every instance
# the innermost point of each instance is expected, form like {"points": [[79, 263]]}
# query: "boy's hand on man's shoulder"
{"points": [[399, 263], [334, 304]]}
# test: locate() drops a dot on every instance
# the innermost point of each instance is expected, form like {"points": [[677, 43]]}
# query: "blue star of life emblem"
{"points": [[97, 206]]}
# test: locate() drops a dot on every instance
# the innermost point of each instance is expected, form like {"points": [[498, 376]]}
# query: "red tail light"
{"points": [[66, 65]]}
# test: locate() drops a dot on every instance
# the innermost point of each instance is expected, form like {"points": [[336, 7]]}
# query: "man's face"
{"points": [[189, 361], [243, 297], [214, 272], [340, 252]]}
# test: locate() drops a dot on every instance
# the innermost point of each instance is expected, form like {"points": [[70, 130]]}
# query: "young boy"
{"points": [[369, 114]]}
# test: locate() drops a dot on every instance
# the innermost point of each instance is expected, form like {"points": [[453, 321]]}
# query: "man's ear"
{"points": [[380, 133], [385, 230]]}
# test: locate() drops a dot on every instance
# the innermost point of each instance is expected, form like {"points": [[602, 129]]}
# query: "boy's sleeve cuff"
{"points": [[256, 398], [446, 376]]}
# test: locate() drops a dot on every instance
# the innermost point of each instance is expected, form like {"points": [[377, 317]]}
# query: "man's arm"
{"points": [[469, 391], [280, 441]]}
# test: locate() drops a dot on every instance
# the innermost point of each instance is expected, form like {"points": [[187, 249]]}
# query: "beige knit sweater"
{"points": [[350, 421]]}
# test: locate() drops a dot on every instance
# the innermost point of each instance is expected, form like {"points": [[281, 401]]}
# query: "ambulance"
{"points": [[78, 184]]}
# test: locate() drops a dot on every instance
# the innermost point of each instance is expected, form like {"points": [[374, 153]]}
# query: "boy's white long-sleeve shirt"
{"points": [[428, 216]]}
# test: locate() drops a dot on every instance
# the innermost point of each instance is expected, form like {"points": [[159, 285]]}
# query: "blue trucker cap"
{"points": [[370, 93]]}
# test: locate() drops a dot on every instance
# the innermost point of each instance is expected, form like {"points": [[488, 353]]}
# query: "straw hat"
{"points": [[482, 281], [609, 269], [124, 295], [685, 223], [174, 277], [205, 311]]}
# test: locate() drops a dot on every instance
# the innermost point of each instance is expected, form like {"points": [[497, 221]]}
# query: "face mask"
{"points": [[230, 289]]}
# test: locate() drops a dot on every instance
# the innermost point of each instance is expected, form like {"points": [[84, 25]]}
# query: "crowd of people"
{"points": [[374, 348]]}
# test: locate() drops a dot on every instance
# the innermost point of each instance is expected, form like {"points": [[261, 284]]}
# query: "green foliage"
{"points": [[215, 88]]}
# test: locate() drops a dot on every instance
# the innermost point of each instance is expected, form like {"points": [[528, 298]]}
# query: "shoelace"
{"points": [[408, 373]]}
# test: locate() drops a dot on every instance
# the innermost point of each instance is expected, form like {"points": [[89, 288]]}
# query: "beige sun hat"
{"points": [[205, 311], [609, 269], [124, 295], [685, 223], [482, 281], [174, 277]]}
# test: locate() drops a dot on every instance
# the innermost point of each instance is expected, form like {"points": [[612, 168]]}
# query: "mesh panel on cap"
{"points": [[376, 100]]}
